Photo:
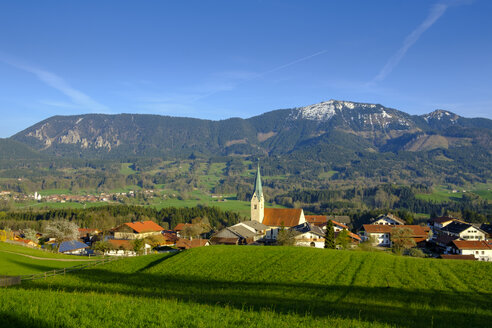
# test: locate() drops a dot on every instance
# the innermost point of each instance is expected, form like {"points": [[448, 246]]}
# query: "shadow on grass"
{"points": [[36, 268], [8, 320], [402, 307]]}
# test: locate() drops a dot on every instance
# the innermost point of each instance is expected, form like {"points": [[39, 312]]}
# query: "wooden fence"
{"points": [[6, 281]]}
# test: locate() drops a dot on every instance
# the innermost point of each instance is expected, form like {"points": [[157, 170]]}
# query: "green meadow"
{"points": [[13, 260], [248, 286]]}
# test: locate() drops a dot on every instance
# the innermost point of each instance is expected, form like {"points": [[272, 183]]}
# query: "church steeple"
{"points": [[257, 201]]}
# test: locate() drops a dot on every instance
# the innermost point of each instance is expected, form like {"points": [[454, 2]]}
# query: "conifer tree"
{"points": [[330, 235]]}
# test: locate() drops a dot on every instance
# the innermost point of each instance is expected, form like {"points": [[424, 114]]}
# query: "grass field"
{"points": [[18, 264], [220, 286]]}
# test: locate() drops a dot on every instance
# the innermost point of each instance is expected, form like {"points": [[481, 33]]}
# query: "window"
{"points": [[255, 207]]}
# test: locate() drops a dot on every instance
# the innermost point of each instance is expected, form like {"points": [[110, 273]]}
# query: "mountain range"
{"points": [[367, 127]]}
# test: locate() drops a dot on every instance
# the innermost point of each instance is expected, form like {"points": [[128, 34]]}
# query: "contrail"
{"points": [[257, 76], [58, 83], [435, 13]]}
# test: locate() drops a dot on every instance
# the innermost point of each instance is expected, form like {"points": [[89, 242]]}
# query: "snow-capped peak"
{"points": [[326, 110], [440, 114]]}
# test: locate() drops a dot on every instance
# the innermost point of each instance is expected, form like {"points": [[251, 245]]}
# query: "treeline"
{"points": [[107, 217], [470, 207]]}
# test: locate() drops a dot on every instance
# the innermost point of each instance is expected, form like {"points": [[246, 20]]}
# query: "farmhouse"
{"points": [[437, 224], [481, 250], [137, 230], [381, 234], [73, 247], [309, 235], [123, 247], [243, 233], [464, 231]]}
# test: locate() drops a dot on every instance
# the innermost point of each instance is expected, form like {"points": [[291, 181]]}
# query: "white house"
{"points": [[464, 231], [309, 235], [482, 250], [387, 219]]}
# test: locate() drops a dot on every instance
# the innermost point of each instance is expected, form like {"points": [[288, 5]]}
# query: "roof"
{"points": [[456, 227], [121, 244], [445, 239], [340, 218], [417, 231], [276, 217], [226, 233], [181, 226], [258, 226], [389, 216], [458, 257], [308, 227], [242, 231], [71, 245], [186, 243], [443, 219], [486, 228], [350, 234], [145, 226], [316, 219], [472, 244], [224, 241], [258, 188]]}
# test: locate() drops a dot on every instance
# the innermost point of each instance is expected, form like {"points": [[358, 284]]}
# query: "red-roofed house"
{"points": [[481, 249], [136, 230], [276, 218], [381, 234]]}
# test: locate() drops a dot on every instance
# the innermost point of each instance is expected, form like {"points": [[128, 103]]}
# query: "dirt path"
{"points": [[47, 258]]}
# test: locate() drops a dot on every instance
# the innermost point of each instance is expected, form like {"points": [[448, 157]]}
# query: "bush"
{"points": [[415, 252]]}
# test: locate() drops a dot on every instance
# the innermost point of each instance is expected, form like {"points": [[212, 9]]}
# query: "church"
{"points": [[274, 218]]}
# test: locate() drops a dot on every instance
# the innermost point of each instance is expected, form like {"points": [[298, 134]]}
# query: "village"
{"points": [[443, 237]]}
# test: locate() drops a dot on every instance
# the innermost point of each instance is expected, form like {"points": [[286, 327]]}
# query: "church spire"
{"points": [[258, 189], [257, 201]]}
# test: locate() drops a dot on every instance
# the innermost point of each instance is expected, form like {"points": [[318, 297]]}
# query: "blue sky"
{"points": [[220, 59]]}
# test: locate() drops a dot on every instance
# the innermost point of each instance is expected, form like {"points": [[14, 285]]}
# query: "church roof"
{"points": [[258, 187], [276, 217]]}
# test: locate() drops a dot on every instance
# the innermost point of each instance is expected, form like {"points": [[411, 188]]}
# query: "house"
{"points": [[137, 230], [464, 231], [387, 219], [353, 238], [436, 224], [381, 234], [307, 234], [243, 233], [480, 249], [73, 247], [170, 237], [337, 226], [181, 226], [124, 247], [317, 220], [183, 243]]}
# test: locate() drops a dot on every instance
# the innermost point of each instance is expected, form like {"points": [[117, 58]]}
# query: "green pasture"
{"points": [[440, 195], [248, 286], [126, 169], [18, 264]]}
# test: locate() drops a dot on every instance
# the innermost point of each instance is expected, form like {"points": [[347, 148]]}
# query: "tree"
{"points": [[343, 239], [3, 235], [102, 246], [401, 238], [286, 237], [30, 234], [62, 230], [138, 246], [330, 235]]}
